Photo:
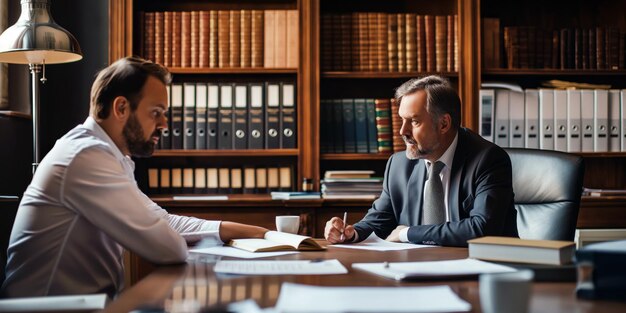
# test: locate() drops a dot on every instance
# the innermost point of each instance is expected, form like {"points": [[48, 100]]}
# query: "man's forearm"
{"points": [[232, 230]]}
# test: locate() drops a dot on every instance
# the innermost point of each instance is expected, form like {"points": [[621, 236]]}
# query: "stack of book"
{"points": [[351, 185]]}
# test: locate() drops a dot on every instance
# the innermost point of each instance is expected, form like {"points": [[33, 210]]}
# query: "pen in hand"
{"points": [[345, 217]]}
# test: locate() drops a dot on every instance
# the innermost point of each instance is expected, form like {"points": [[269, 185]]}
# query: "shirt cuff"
{"points": [[404, 235]]}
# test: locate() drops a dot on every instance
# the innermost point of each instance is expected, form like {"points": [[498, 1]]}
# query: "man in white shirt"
{"points": [[83, 206], [475, 185]]}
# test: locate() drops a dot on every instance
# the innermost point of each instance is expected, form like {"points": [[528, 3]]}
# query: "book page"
{"points": [[297, 241], [256, 244], [238, 253]]}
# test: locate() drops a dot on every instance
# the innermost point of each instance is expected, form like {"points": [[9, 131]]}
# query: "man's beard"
{"points": [[135, 140], [413, 152]]}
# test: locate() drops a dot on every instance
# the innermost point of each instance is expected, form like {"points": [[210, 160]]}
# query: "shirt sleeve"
{"points": [[404, 235], [97, 188]]}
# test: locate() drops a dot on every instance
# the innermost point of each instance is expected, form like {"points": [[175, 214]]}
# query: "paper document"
{"points": [[238, 253], [375, 243], [305, 298], [55, 303], [299, 267], [432, 269]]}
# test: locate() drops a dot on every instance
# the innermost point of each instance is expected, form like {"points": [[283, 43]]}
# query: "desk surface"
{"points": [[196, 280]]}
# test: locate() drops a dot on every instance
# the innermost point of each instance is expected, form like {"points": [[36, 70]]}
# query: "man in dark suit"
{"points": [[475, 191]]}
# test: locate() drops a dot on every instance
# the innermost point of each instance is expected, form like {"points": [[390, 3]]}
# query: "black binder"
{"points": [[240, 137], [166, 140], [288, 116], [177, 116], [225, 118], [256, 118], [212, 112], [189, 119], [372, 132], [201, 116], [272, 116]]}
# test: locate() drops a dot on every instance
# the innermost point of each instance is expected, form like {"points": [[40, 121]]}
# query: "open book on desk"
{"points": [[277, 241]]}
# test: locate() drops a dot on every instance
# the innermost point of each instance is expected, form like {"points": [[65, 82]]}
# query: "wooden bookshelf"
{"points": [[355, 156], [227, 153], [366, 75], [235, 70]]}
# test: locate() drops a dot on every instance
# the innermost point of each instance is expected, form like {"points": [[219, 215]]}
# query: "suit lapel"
{"points": [[415, 190], [455, 177]]}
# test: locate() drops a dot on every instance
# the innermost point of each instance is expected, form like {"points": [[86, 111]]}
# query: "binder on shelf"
{"points": [[261, 180], [485, 113], [285, 180], [516, 119], [189, 112], [615, 124], [546, 119], [236, 181], [153, 180], [338, 126], [573, 121], [560, 120], [272, 116], [166, 139], [225, 118], [372, 131], [223, 180], [586, 117], [212, 115], [273, 179], [502, 118], [199, 185], [600, 120], [165, 181], [212, 180], [201, 116], [349, 136], [188, 180], [177, 116], [288, 116], [240, 138], [531, 122], [360, 125], [177, 180], [256, 118], [249, 180]]}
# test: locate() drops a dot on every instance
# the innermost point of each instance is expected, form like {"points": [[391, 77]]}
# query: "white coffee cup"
{"points": [[288, 223], [505, 292]]}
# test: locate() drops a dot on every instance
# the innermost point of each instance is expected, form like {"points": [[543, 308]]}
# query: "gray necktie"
{"points": [[434, 207]]}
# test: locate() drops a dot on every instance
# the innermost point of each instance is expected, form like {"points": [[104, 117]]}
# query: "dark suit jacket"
{"points": [[480, 196]]}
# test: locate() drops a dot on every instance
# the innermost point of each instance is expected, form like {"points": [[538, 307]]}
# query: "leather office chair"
{"points": [[547, 186]]}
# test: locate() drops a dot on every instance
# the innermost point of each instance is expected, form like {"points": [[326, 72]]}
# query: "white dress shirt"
{"points": [[446, 159], [80, 211]]}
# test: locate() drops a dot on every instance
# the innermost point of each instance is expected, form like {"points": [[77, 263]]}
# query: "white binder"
{"points": [[601, 120], [586, 116], [573, 121], [485, 113], [560, 120], [546, 119], [516, 119], [502, 118], [614, 121], [531, 121]]}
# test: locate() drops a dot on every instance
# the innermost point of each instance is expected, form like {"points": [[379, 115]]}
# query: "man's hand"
{"points": [[395, 234], [333, 231]]}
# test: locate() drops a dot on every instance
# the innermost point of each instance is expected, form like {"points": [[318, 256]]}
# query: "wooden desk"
{"points": [[196, 280]]}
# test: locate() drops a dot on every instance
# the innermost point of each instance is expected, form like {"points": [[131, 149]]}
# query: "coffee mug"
{"points": [[505, 292], [288, 223]]}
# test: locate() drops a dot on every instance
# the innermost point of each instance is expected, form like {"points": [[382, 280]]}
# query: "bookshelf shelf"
{"points": [[228, 153], [552, 72], [368, 75], [232, 70], [355, 156]]}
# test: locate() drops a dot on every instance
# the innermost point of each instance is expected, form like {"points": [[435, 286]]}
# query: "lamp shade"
{"points": [[35, 38]]}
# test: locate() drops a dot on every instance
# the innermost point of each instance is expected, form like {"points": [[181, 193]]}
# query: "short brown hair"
{"points": [[125, 77], [441, 97]]}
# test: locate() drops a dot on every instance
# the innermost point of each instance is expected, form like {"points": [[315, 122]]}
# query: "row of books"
{"points": [[385, 42], [222, 38], [231, 116], [220, 180], [588, 120], [598, 48], [357, 184]]}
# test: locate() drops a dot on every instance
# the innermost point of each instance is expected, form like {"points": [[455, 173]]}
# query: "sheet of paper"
{"points": [[238, 253], [305, 298], [430, 269], [296, 267], [375, 243], [54, 303]]}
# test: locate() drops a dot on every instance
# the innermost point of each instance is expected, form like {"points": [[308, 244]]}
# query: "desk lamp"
{"points": [[35, 39]]}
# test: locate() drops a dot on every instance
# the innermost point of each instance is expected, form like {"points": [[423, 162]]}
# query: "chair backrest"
{"points": [[547, 186]]}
